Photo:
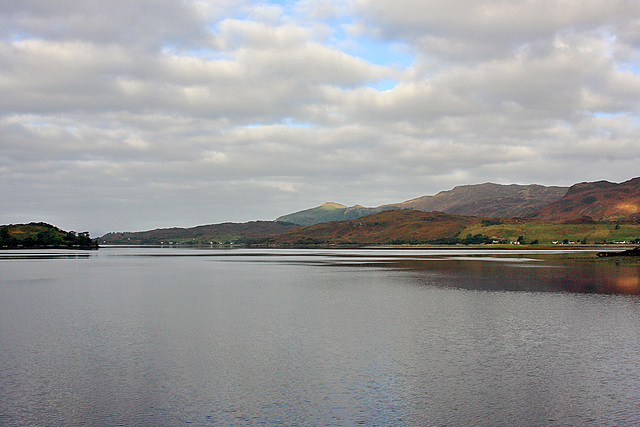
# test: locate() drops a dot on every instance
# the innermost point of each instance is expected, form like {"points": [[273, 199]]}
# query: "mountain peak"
{"points": [[332, 205]]}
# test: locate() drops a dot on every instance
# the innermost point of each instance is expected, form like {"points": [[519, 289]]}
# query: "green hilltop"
{"points": [[329, 212], [42, 235]]}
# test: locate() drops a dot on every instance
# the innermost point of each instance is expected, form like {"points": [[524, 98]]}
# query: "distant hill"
{"points": [[415, 227], [329, 212], [228, 232], [489, 200], [42, 235], [486, 200], [597, 201]]}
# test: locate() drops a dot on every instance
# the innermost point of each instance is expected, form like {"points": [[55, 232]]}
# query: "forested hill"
{"points": [[42, 235]]}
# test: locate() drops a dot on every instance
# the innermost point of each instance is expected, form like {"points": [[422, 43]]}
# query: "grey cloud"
{"points": [[149, 23], [494, 28]]}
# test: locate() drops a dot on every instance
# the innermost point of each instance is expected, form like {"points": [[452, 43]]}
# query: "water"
{"points": [[151, 336]]}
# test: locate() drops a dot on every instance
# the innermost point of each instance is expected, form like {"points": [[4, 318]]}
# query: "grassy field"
{"points": [[546, 233]]}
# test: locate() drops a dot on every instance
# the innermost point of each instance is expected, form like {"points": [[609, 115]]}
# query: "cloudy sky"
{"points": [[130, 115]]}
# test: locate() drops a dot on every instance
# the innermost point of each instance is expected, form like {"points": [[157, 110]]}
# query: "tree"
{"points": [[84, 240], [477, 239]]}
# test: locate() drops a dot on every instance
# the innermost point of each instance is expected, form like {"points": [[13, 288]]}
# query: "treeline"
{"points": [[43, 235], [476, 239]]}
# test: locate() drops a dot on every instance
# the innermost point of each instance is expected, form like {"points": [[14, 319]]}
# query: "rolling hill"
{"points": [[228, 232]]}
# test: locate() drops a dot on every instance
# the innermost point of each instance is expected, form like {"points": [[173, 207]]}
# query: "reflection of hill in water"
{"points": [[549, 273]]}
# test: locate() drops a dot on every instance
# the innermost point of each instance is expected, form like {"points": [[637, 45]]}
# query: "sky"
{"points": [[132, 115]]}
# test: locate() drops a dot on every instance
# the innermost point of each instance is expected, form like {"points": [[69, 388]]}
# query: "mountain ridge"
{"points": [[488, 200]]}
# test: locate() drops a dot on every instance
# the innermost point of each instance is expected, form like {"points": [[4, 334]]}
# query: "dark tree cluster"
{"points": [[6, 241], [476, 239]]}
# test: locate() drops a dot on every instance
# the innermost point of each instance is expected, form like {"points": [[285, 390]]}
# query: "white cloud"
{"points": [[133, 115]]}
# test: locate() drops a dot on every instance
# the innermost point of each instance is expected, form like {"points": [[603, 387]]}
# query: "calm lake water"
{"points": [[153, 336]]}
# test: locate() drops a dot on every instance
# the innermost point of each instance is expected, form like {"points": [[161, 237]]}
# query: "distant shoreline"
{"points": [[559, 247]]}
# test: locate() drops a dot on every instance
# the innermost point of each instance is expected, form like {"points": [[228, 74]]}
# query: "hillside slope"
{"points": [[398, 226], [598, 201]]}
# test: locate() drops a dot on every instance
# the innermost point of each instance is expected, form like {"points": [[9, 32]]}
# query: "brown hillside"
{"points": [[489, 200], [598, 201], [397, 226]]}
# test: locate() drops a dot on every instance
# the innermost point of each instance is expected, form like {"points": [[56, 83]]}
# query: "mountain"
{"points": [[486, 200], [228, 232], [597, 201], [489, 200]]}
